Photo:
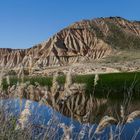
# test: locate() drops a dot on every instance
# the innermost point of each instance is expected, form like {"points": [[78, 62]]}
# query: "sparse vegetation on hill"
{"points": [[119, 39]]}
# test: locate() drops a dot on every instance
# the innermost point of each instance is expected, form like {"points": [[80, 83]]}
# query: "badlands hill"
{"points": [[91, 45]]}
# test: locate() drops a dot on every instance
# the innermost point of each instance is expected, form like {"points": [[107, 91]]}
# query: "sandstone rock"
{"points": [[81, 41]]}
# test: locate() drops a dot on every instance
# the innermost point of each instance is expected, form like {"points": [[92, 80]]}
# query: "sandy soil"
{"points": [[124, 61]]}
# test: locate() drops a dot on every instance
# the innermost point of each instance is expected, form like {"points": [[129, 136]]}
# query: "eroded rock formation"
{"points": [[81, 41]]}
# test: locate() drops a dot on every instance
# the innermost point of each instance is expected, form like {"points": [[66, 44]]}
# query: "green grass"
{"points": [[113, 85], [119, 85]]}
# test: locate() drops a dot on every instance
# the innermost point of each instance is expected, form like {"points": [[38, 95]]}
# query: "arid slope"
{"points": [[82, 41]]}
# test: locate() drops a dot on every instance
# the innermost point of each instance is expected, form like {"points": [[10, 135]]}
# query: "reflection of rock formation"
{"points": [[115, 108], [74, 103], [83, 108], [70, 99], [71, 102]]}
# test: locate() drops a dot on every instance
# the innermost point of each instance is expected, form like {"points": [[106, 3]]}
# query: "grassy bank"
{"points": [[113, 85]]}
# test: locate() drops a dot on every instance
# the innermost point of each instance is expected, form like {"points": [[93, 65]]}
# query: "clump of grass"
{"points": [[67, 131], [8, 128], [118, 85], [132, 116], [55, 84], [105, 121], [23, 121], [68, 81], [96, 79]]}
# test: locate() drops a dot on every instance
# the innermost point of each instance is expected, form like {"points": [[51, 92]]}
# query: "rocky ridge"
{"points": [[80, 42]]}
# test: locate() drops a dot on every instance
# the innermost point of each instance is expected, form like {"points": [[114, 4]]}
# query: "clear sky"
{"points": [[24, 23]]}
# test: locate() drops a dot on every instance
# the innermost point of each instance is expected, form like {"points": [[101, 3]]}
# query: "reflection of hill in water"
{"points": [[45, 119], [70, 98], [100, 108], [93, 110], [115, 108], [73, 102]]}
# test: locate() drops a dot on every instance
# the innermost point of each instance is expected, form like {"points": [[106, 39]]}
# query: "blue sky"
{"points": [[24, 23]]}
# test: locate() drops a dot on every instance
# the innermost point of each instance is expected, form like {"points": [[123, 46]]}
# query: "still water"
{"points": [[46, 120]]}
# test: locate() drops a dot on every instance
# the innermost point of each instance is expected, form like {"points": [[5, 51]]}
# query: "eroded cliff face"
{"points": [[11, 58], [82, 41]]}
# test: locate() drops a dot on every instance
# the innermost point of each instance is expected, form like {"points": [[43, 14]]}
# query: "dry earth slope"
{"points": [[82, 41]]}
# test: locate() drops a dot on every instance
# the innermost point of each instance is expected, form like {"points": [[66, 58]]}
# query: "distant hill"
{"points": [[82, 41]]}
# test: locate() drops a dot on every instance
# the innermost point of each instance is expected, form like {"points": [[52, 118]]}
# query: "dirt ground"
{"points": [[122, 61]]}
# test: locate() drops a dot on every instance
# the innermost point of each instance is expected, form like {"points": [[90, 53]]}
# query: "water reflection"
{"points": [[45, 119], [92, 110], [115, 108]]}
